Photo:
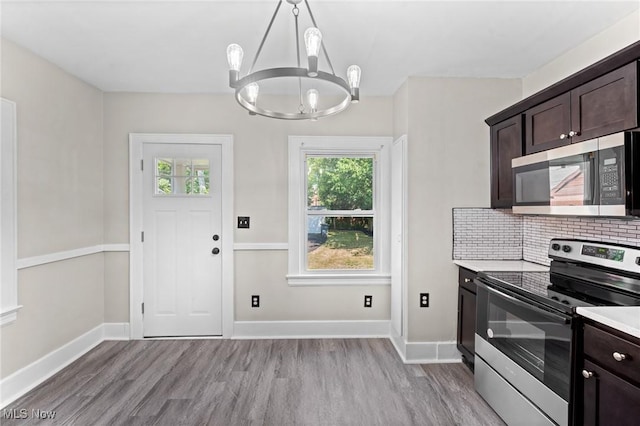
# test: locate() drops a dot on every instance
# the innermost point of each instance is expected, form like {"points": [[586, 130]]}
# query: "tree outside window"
{"points": [[340, 213]]}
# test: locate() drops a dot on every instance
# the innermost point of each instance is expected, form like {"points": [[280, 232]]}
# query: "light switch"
{"points": [[243, 221]]}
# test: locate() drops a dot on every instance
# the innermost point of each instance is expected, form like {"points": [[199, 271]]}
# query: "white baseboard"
{"points": [[116, 331], [425, 352], [399, 343], [309, 329], [22, 381]]}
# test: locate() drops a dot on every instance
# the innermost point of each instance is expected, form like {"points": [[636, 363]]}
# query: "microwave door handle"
{"points": [[517, 301]]}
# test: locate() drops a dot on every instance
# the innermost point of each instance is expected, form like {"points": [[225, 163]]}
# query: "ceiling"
{"points": [[180, 46]]}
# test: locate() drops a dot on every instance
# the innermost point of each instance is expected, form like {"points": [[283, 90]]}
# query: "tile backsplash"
{"points": [[538, 231], [480, 233], [486, 234]]}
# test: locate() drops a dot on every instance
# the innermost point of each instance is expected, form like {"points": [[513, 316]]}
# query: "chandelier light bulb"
{"points": [[234, 57], [312, 42], [353, 77], [312, 99], [252, 92]]}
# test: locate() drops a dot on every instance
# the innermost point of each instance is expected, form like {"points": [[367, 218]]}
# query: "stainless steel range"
{"points": [[526, 326]]}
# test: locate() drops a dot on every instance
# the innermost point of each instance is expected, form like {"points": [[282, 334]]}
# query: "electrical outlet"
{"points": [[255, 301], [243, 222], [424, 300], [368, 301]]}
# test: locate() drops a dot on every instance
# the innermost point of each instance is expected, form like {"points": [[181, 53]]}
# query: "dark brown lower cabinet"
{"points": [[608, 388], [467, 315], [609, 399]]}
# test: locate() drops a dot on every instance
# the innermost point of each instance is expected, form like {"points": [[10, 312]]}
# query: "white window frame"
{"points": [[8, 241], [299, 148]]}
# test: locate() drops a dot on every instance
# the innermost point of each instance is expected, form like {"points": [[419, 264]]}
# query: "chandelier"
{"points": [[307, 79]]}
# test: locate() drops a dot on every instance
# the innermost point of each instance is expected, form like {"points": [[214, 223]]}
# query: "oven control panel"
{"points": [[623, 258], [616, 255]]}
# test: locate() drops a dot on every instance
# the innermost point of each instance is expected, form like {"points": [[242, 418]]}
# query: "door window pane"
{"points": [[179, 176], [335, 242]]}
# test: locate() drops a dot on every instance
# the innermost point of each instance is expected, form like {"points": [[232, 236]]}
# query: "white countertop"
{"points": [[622, 318], [501, 265]]}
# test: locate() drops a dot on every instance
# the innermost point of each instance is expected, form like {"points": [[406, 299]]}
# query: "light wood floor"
{"points": [[261, 382]]}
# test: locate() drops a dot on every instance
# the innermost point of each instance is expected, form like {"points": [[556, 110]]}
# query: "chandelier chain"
{"points": [[297, 36], [324, 49], [264, 38]]}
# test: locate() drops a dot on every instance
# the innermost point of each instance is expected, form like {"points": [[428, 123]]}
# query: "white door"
{"points": [[182, 266]]}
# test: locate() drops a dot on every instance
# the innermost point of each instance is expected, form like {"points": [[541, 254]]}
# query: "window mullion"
{"points": [[344, 213]]}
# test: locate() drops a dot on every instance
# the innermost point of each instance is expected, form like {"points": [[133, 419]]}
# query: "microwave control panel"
{"points": [[611, 176]]}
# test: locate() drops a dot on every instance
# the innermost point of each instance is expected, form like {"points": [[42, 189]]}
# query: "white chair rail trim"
{"points": [[30, 262]]}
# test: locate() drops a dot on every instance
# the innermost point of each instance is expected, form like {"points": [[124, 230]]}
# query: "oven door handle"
{"points": [[515, 300]]}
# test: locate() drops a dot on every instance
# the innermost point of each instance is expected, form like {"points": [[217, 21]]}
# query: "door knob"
{"points": [[563, 136], [572, 133], [215, 250], [587, 374], [216, 237]]}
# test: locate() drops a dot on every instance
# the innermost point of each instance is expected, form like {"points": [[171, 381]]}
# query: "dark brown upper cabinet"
{"points": [[602, 106], [547, 125], [606, 105], [506, 144]]}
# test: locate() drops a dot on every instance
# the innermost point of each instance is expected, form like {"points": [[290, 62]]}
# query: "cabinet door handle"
{"points": [[563, 136], [587, 374], [619, 357], [572, 133], [467, 280]]}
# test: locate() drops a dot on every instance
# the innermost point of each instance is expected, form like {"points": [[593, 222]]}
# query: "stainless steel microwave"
{"points": [[591, 178]]}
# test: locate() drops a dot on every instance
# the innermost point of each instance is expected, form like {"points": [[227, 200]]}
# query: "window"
{"points": [[340, 214], [181, 176], [9, 289], [338, 204]]}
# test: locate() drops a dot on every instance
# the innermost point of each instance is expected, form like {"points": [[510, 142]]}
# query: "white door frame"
{"points": [[399, 279], [136, 141]]}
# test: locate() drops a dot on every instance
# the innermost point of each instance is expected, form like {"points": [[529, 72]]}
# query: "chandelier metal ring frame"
{"points": [[313, 42]]}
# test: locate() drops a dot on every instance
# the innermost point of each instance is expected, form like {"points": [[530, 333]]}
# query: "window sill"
{"points": [[9, 315], [338, 279]]}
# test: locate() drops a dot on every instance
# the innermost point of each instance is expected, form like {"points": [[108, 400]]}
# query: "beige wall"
{"points": [[401, 111], [59, 169], [614, 38], [59, 154], [116, 287], [61, 301], [261, 192], [448, 152]]}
